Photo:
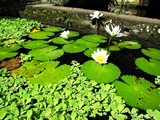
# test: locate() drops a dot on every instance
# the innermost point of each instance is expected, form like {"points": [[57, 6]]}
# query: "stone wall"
{"points": [[143, 30]]}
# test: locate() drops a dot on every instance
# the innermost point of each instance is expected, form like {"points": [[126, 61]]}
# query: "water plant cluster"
{"points": [[46, 86]]}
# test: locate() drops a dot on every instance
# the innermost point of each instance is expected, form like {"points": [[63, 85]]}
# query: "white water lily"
{"points": [[96, 15], [100, 56], [114, 31], [64, 34]]}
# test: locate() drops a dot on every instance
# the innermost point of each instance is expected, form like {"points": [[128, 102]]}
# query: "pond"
{"points": [[83, 76]]}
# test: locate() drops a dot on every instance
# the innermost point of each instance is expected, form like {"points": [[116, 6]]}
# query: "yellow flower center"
{"points": [[100, 58]]}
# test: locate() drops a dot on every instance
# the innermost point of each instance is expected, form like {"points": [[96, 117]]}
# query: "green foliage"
{"points": [[95, 38], [43, 72], [60, 40], [151, 67], [25, 57], [41, 35], [73, 34], [152, 52], [35, 44], [100, 73], [87, 43], [47, 53], [129, 45], [74, 48], [16, 27], [53, 29], [138, 92], [8, 52]]}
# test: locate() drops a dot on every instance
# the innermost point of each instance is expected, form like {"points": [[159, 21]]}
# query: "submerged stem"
{"points": [[109, 43]]}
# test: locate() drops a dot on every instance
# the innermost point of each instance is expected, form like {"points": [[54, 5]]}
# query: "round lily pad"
{"points": [[89, 51], [53, 29], [129, 45], [95, 38], [60, 40], [100, 73], [35, 44], [151, 67], [73, 48], [6, 54], [11, 48], [138, 92], [47, 53], [41, 35], [73, 34], [86, 43], [114, 48], [152, 52]]}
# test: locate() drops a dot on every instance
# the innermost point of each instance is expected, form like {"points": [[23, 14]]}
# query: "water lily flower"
{"points": [[114, 31], [64, 34], [100, 56], [96, 15]]}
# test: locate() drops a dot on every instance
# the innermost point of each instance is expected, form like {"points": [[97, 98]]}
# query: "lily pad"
{"points": [[41, 35], [51, 75], [138, 92], [73, 48], [73, 34], [8, 52], [35, 44], [100, 73], [114, 48], [60, 40], [53, 29], [129, 45], [95, 38], [86, 43], [152, 52], [47, 53], [151, 67], [89, 51]]}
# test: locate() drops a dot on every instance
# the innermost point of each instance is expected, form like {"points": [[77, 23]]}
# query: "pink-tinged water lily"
{"points": [[64, 34], [114, 31], [96, 15], [100, 56]]}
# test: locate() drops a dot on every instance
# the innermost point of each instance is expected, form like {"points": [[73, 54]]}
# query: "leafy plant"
{"points": [[53, 29], [41, 35], [138, 92], [152, 53], [151, 66], [95, 38], [60, 40], [16, 28], [47, 53], [100, 73]]}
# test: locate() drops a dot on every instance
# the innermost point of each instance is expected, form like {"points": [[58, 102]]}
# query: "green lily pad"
{"points": [[95, 38], [53, 29], [47, 53], [129, 45], [89, 51], [114, 48], [100, 73], [8, 52], [152, 52], [86, 43], [151, 67], [51, 75], [35, 44], [73, 34], [73, 48], [60, 40], [41, 35], [138, 92]]}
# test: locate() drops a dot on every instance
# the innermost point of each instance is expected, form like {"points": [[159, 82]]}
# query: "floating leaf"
{"points": [[33, 68], [53, 29], [89, 51], [152, 52], [51, 75], [100, 73], [129, 45], [138, 92], [47, 53], [95, 38], [73, 34], [86, 43], [8, 52], [35, 44], [73, 48], [41, 35], [60, 40], [114, 48], [151, 67]]}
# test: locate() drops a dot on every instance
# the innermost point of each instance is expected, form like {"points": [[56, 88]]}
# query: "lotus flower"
{"points": [[64, 34], [100, 56], [114, 31], [96, 15]]}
